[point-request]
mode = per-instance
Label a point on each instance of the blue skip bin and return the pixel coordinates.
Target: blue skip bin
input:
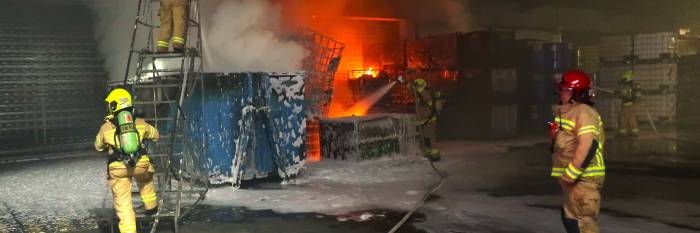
(251, 125)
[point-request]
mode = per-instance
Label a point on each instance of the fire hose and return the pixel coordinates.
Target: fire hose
(422, 201)
(653, 126)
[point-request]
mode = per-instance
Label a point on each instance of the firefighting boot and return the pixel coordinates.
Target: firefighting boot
(622, 133)
(151, 211)
(635, 132)
(570, 225)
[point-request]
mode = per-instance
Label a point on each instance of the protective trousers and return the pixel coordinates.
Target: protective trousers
(120, 183)
(627, 121)
(581, 207)
(428, 137)
(173, 22)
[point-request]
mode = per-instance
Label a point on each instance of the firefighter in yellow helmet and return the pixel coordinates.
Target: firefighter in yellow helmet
(428, 106)
(577, 153)
(173, 25)
(122, 136)
(629, 93)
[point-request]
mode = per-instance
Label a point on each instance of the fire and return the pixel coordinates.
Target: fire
(313, 146)
(370, 72)
(359, 109)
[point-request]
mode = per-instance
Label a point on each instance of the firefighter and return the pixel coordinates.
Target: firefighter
(577, 148)
(173, 23)
(629, 94)
(428, 106)
(122, 135)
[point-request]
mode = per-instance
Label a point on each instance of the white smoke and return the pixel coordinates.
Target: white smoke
(243, 35)
(113, 29)
(239, 36)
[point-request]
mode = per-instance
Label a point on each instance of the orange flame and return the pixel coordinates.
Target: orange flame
(313, 146)
(369, 71)
(355, 74)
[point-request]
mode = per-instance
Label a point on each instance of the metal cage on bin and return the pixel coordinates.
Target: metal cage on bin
(321, 65)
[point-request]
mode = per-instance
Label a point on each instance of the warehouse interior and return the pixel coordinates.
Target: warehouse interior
(305, 115)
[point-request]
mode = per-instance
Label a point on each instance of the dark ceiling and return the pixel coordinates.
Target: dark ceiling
(623, 15)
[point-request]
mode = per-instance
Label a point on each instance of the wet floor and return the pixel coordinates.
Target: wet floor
(206, 218)
(645, 168)
(648, 168)
(224, 219)
(652, 158)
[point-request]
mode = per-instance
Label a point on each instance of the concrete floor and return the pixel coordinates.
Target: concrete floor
(644, 191)
(495, 186)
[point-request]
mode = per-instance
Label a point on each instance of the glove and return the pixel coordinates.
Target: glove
(432, 120)
(553, 128)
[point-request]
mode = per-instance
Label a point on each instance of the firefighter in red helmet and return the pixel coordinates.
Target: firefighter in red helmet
(577, 153)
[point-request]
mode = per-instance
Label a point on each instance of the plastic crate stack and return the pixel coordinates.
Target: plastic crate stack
(653, 59)
(542, 68)
(51, 80)
(480, 63)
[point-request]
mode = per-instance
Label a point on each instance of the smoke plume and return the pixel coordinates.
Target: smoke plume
(113, 26)
(244, 35)
(239, 36)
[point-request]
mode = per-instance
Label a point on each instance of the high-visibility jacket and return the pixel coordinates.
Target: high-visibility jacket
(573, 122)
(629, 93)
(428, 106)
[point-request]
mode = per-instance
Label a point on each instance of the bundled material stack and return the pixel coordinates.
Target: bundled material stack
(656, 72)
(652, 59)
(51, 80)
(659, 85)
(616, 49)
(655, 46)
(374, 136)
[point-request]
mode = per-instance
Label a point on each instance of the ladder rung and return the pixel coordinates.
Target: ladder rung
(137, 86)
(167, 214)
(155, 102)
(162, 55)
(159, 119)
(163, 70)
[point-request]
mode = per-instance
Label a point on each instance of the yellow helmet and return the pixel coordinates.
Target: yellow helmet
(627, 75)
(118, 99)
(419, 84)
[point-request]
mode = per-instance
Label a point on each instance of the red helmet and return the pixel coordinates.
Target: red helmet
(579, 82)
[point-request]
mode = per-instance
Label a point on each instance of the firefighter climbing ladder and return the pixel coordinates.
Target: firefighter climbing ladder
(160, 84)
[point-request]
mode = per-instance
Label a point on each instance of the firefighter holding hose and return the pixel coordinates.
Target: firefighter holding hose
(428, 105)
